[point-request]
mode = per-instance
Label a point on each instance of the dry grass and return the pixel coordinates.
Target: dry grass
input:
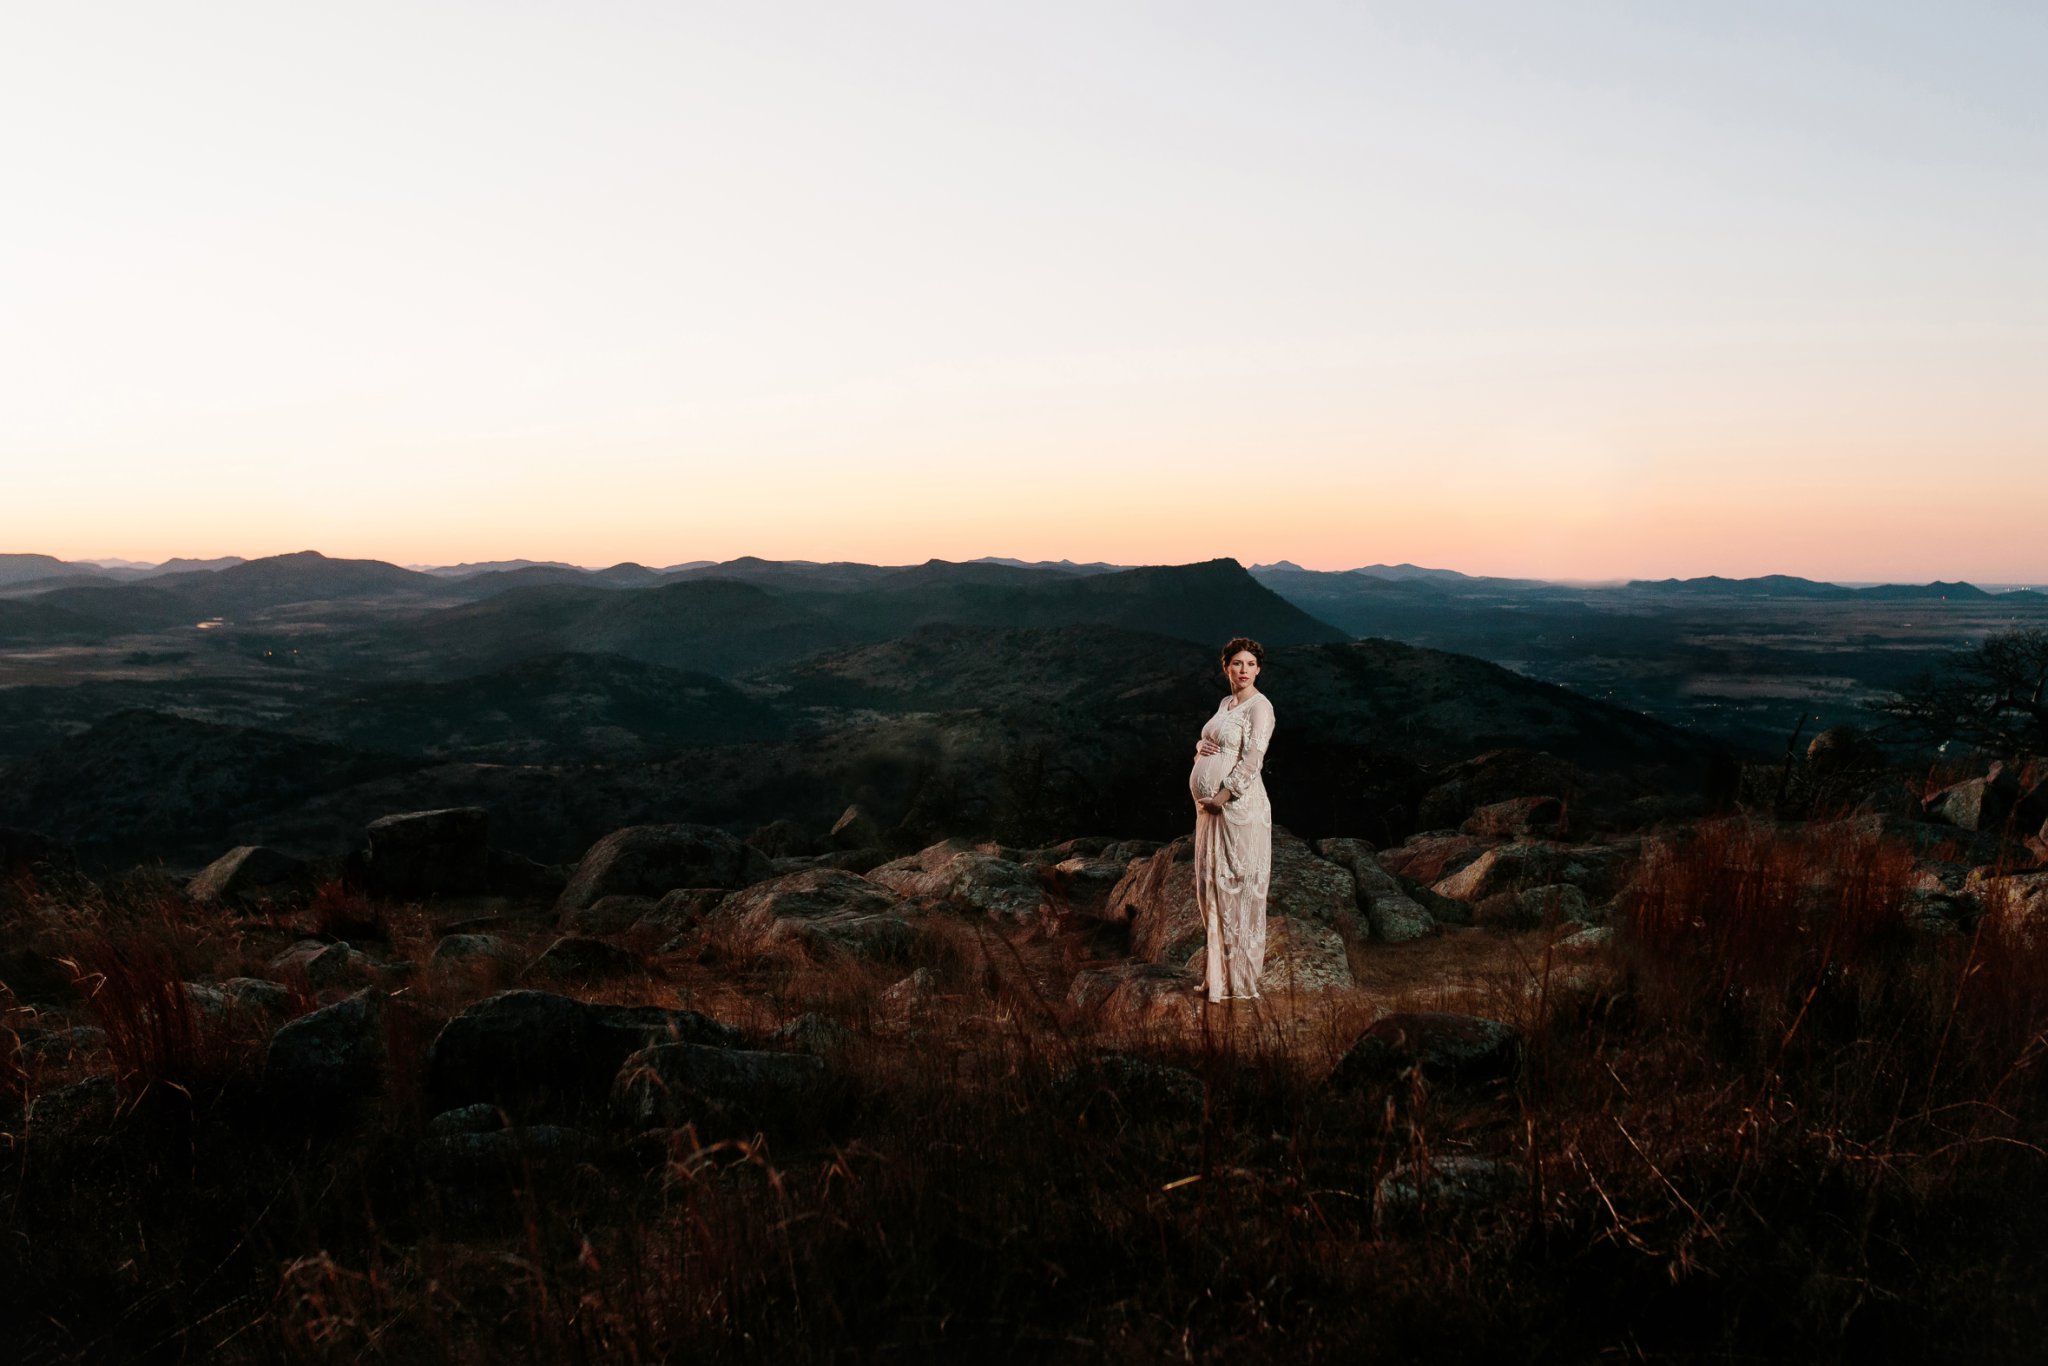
(1769, 1122)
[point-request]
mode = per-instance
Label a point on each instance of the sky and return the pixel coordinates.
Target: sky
(1587, 289)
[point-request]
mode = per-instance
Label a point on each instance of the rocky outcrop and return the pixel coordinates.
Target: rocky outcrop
(823, 909)
(962, 875)
(249, 875)
(430, 853)
(652, 860)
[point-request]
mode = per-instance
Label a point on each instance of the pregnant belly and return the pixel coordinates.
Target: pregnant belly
(1208, 774)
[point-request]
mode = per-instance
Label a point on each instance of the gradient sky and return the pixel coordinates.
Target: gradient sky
(1572, 289)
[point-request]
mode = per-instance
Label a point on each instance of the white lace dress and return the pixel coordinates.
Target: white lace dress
(1234, 851)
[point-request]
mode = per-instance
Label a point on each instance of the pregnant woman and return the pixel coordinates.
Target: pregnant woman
(1234, 827)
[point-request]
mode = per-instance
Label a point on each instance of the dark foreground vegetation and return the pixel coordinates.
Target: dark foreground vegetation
(1788, 1105)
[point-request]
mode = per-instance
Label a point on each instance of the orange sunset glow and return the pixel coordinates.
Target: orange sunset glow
(1596, 293)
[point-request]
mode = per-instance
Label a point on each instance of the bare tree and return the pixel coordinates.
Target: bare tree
(1994, 696)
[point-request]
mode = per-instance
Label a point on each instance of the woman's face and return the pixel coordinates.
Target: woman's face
(1242, 670)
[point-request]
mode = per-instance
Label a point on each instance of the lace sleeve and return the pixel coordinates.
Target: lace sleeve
(1258, 735)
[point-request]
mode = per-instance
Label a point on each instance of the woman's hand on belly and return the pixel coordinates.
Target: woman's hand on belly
(1205, 747)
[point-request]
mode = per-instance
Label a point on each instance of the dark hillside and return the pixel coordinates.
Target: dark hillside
(141, 783)
(549, 709)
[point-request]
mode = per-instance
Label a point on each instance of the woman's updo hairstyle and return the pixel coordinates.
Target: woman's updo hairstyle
(1247, 644)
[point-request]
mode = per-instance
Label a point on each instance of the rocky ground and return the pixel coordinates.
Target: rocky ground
(698, 1095)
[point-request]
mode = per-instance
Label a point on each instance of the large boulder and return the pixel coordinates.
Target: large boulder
(1309, 887)
(430, 853)
(956, 872)
(1503, 868)
(670, 1085)
(652, 860)
(241, 1000)
(1518, 818)
(613, 914)
(81, 1112)
(1432, 855)
(1391, 914)
(1595, 869)
(1980, 804)
(824, 909)
(1156, 896)
(329, 1061)
(1151, 998)
(325, 964)
(250, 874)
(1081, 880)
(1303, 957)
(1443, 1046)
(532, 1051)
